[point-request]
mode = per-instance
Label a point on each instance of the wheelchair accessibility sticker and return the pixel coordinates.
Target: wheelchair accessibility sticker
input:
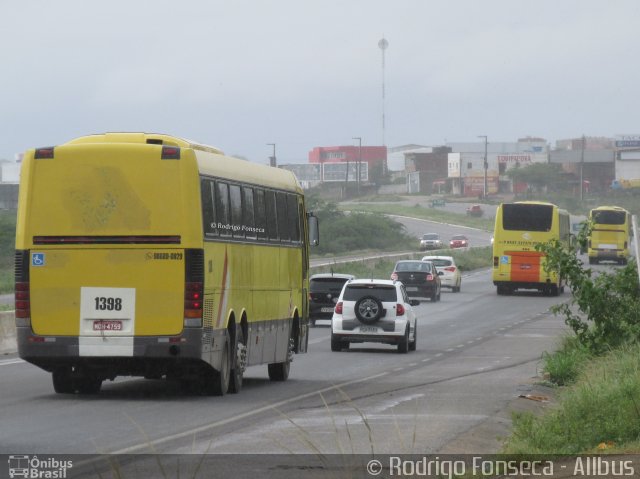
(503, 260)
(37, 259)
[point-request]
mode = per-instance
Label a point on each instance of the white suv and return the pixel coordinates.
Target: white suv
(374, 310)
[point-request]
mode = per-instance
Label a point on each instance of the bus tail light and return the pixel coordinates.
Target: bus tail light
(22, 289)
(170, 153)
(495, 261)
(399, 310)
(44, 153)
(193, 287)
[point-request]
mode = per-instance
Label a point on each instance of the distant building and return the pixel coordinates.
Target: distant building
(371, 160)
(426, 169)
(466, 172)
(627, 157)
(589, 158)
(396, 156)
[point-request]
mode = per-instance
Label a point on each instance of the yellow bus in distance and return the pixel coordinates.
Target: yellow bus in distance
(610, 235)
(150, 255)
(518, 228)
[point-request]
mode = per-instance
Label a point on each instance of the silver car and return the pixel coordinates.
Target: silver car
(430, 241)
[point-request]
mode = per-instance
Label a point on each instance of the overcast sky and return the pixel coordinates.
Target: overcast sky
(239, 74)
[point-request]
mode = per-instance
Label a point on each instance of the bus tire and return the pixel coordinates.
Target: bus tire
(239, 362)
(216, 383)
(279, 371)
(62, 382)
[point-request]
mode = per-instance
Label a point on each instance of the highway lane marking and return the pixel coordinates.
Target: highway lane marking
(6, 362)
(426, 359)
(253, 412)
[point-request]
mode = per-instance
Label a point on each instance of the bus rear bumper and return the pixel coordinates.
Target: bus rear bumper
(149, 356)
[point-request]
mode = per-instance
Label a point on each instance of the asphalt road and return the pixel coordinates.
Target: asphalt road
(474, 351)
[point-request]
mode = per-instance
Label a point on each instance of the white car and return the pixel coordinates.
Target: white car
(451, 276)
(377, 311)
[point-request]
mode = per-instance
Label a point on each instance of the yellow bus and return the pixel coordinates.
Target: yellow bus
(150, 255)
(609, 237)
(518, 228)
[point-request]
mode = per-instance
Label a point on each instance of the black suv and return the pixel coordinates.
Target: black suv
(324, 290)
(420, 278)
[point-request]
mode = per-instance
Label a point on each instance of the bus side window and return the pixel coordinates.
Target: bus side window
(293, 213)
(248, 212)
(272, 225)
(283, 220)
(260, 213)
(235, 194)
(222, 209)
(209, 224)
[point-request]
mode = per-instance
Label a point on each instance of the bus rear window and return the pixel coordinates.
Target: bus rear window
(604, 217)
(519, 217)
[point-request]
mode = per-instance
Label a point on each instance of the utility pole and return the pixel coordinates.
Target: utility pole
(582, 170)
(272, 159)
(485, 166)
(359, 164)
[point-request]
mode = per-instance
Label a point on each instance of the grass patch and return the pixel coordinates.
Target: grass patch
(563, 366)
(600, 410)
(417, 211)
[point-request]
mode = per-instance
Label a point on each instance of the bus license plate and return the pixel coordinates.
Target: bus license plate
(326, 310)
(107, 325)
(368, 329)
(525, 266)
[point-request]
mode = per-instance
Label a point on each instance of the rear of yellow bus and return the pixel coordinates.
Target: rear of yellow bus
(109, 260)
(516, 263)
(609, 237)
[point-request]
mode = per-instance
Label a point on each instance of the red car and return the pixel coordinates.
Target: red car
(459, 241)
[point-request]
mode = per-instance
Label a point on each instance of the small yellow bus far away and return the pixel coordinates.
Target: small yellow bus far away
(610, 235)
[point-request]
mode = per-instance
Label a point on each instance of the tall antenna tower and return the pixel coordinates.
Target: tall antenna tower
(383, 45)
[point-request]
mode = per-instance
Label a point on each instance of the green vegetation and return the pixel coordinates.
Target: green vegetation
(357, 231)
(599, 367)
(7, 250)
(600, 410)
(420, 212)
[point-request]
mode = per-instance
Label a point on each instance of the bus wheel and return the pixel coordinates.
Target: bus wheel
(239, 363)
(216, 383)
(62, 383)
(280, 371)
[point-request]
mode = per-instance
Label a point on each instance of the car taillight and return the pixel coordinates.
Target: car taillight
(338, 309)
(429, 277)
(394, 276)
(451, 269)
(399, 310)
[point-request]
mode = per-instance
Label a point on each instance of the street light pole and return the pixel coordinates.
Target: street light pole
(272, 159)
(582, 170)
(485, 166)
(359, 165)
